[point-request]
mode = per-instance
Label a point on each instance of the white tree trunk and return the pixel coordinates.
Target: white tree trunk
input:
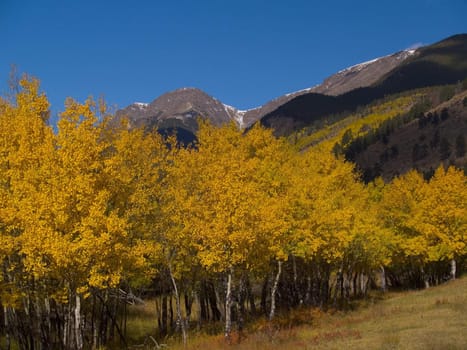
(180, 321)
(425, 278)
(66, 323)
(383, 279)
(228, 307)
(453, 269)
(274, 290)
(77, 330)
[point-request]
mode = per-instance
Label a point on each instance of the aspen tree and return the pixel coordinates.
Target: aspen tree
(444, 216)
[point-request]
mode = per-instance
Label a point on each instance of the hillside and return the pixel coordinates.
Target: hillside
(355, 125)
(437, 64)
(436, 136)
(415, 130)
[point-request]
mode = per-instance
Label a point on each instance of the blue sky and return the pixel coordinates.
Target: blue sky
(243, 52)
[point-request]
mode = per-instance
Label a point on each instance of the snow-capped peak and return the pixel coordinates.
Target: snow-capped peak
(141, 105)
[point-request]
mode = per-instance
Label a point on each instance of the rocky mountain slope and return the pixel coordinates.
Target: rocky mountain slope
(181, 107)
(361, 75)
(178, 108)
(440, 63)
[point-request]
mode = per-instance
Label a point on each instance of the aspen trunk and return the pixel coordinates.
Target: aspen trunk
(264, 294)
(77, 323)
(199, 300)
(425, 278)
(7, 330)
(180, 321)
(308, 292)
(355, 284)
(48, 316)
(274, 290)
(427, 282)
(164, 316)
(453, 269)
(188, 305)
(171, 312)
(66, 321)
(251, 297)
(203, 312)
(217, 300)
(347, 284)
(297, 295)
(383, 279)
(228, 307)
(213, 300)
(339, 285)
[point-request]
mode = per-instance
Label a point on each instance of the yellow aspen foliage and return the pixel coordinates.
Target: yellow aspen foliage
(60, 210)
(91, 200)
(96, 207)
(325, 206)
(25, 142)
(374, 244)
(444, 214)
(226, 197)
(137, 172)
(401, 212)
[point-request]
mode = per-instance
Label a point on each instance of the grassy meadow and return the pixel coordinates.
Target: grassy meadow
(434, 318)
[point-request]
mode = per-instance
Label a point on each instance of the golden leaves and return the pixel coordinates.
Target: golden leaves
(429, 216)
(96, 204)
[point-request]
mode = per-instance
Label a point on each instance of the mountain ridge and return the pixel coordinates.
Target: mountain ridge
(444, 62)
(141, 113)
(333, 85)
(345, 90)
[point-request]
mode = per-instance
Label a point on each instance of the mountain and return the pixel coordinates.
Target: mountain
(177, 110)
(362, 74)
(186, 104)
(442, 63)
(180, 108)
(357, 76)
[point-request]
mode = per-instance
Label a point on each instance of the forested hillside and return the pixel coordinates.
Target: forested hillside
(419, 129)
(237, 226)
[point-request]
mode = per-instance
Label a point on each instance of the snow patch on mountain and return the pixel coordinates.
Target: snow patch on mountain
(235, 114)
(141, 105)
(301, 92)
(358, 67)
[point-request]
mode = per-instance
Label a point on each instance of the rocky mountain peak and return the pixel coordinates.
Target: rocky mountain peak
(361, 75)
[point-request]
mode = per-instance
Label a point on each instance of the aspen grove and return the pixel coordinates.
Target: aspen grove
(236, 226)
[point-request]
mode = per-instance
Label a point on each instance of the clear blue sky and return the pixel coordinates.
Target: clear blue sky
(243, 52)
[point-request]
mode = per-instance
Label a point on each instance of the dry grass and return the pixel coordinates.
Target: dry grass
(430, 319)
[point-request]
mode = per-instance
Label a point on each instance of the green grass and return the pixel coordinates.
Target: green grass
(435, 318)
(141, 322)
